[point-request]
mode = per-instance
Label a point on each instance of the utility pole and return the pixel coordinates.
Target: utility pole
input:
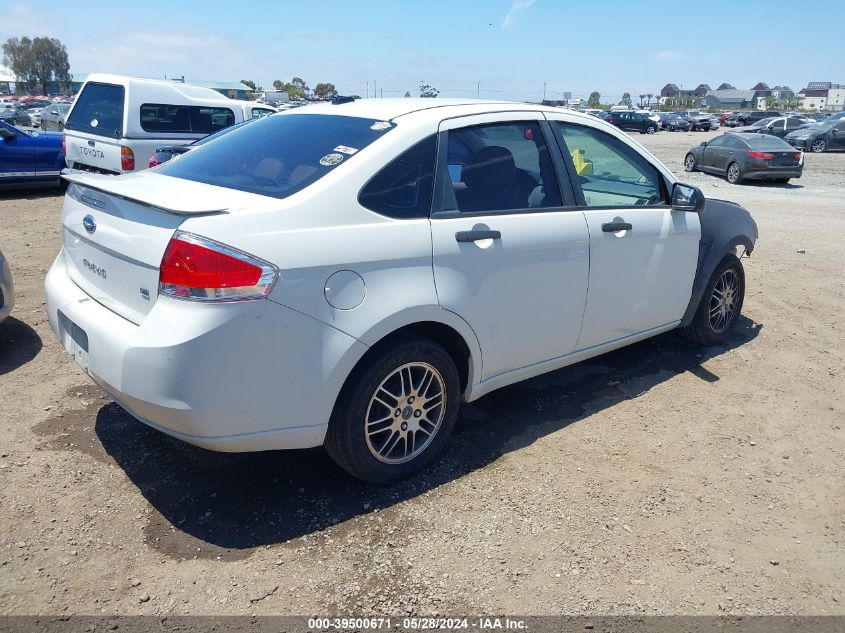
(544, 91)
(375, 90)
(367, 83)
(477, 89)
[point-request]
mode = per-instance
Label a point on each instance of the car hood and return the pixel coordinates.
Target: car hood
(802, 133)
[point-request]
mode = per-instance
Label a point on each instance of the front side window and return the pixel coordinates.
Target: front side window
(501, 167)
(717, 142)
(403, 188)
(158, 117)
(278, 155)
(98, 110)
(608, 172)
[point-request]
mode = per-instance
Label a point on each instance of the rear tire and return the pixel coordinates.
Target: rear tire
(782, 181)
(650, 129)
(44, 125)
(720, 304)
(734, 174)
(384, 444)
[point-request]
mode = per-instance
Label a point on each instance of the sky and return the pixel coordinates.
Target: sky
(499, 49)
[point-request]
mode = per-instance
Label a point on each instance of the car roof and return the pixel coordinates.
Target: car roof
(436, 109)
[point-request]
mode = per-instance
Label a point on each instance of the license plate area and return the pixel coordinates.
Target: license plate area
(74, 339)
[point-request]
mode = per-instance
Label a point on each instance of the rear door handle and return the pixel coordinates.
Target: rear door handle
(613, 227)
(474, 236)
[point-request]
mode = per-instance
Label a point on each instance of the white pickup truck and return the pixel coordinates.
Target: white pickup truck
(117, 122)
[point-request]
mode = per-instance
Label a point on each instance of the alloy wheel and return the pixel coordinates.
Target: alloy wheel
(405, 413)
(818, 146)
(733, 173)
(689, 163)
(724, 301)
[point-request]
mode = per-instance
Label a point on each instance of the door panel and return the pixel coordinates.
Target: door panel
(17, 159)
(507, 258)
(640, 277)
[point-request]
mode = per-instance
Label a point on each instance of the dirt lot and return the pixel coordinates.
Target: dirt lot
(660, 479)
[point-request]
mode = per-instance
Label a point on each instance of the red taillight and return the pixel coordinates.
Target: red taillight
(127, 159)
(154, 161)
(761, 155)
(797, 156)
(200, 269)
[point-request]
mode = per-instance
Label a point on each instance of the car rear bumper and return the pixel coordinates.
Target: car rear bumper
(770, 174)
(7, 290)
(239, 376)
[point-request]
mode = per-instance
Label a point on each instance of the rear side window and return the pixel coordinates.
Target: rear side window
(278, 155)
(98, 110)
(160, 117)
(403, 188)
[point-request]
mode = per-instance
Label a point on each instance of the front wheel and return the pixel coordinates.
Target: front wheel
(720, 305)
(818, 146)
(44, 125)
(734, 175)
(689, 163)
(396, 411)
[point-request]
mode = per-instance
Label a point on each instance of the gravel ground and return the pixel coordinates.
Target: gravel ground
(659, 479)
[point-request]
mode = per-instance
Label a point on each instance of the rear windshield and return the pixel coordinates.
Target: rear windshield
(768, 142)
(98, 110)
(161, 117)
(278, 155)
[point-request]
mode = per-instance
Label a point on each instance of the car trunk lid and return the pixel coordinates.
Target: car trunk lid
(116, 230)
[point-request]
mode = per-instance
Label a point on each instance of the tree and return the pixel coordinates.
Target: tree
(325, 91)
(407, 94)
(38, 61)
(626, 100)
(249, 84)
(428, 91)
(650, 95)
(594, 101)
(642, 98)
(278, 84)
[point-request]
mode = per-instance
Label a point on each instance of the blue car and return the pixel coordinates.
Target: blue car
(29, 158)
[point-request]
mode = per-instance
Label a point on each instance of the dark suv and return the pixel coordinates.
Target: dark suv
(632, 122)
(747, 118)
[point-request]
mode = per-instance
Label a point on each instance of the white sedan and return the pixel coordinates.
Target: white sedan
(345, 275)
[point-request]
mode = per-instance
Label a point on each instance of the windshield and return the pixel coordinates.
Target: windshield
(763, 122)
(278, 155)
(18, 130)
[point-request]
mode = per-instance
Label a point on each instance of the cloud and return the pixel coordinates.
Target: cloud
(517, 7)
(668, 56)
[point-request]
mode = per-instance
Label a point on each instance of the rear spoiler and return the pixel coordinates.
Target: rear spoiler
(181, 197)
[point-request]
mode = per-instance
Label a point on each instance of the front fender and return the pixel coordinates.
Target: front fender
(724, 227)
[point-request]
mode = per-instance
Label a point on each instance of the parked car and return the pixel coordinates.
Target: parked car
(53, 116)
(748, 118)
(29, 157)
(746, 157)
(34, 116)
(673, 123)
(758, 127)
(699, 121)
(714, 122)
(166, 152)
(732, 120)
(778, 126)
(7, 289)
(116, 118)
(632, 122)
(298, 282)
(835, 117)
(819, 138)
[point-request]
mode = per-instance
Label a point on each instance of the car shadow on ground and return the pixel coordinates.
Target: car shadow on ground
(19, 344)
(223, 504)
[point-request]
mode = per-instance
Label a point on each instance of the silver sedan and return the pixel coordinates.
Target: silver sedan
(7, 289)
(53, 116)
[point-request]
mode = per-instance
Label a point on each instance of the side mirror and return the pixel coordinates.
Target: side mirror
(7, 134)
(703, 143)
(687, 198)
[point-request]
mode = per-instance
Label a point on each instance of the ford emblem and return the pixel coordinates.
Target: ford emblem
(89, 223)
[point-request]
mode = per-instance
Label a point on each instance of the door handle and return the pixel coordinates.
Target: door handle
(474, 236)
(613, 227)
